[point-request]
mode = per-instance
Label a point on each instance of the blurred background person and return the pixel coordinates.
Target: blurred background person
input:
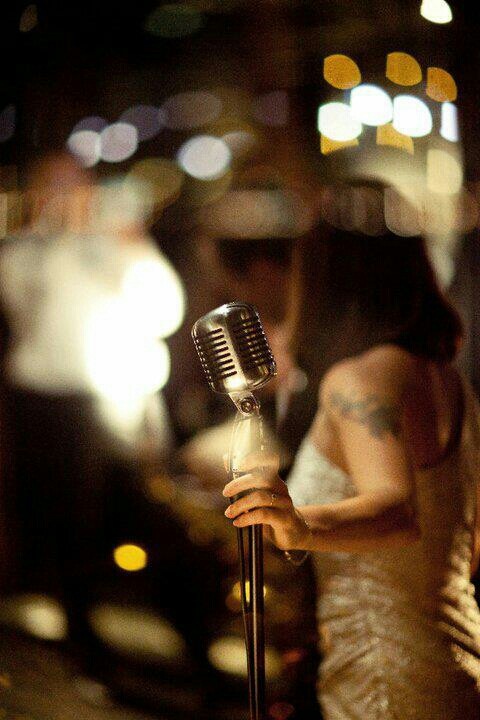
(82, 288)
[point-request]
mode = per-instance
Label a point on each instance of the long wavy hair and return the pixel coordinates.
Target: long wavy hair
(352, 292)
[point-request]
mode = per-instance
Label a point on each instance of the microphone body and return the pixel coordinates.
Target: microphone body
(234, 352)
(236, 357)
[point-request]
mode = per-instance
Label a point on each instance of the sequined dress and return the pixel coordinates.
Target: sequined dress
(400, 629)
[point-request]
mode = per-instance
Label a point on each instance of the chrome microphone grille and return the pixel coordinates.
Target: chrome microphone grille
(233, 348)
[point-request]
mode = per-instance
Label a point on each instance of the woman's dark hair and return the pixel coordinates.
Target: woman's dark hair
(355, 291)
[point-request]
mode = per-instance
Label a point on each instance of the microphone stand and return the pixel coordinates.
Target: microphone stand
(251, 574)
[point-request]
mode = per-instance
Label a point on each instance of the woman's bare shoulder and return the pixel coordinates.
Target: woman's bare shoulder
(384, 369)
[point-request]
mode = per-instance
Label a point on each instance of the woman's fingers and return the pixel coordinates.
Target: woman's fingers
(255, 480)
(259, 516)
(257, 499)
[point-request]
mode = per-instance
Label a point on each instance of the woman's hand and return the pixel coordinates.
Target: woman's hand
(267, 503)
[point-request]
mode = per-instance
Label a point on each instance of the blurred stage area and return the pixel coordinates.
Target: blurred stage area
(156, 161)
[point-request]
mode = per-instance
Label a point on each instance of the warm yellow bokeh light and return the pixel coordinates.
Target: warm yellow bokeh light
(130, 557)
(237, 591)
(341, 71)
(403, 69)
(387, 135)
(440, 85)
(328, 146)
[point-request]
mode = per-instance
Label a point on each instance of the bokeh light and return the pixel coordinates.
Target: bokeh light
(387, 135)
(437, 11)
(449, 122)
(154, 294)
(240, 142)
(411, 116)
(371, 105)
(118, 142)
(38, 615)
(336, 121)
(174, 20)
(440, 85)
(341, 72)
(444, 172)
(137, 632)
(227, 654)
(86, 146)
(328, 146)
(28, 19)
(204, 157)
(403, 69)
(272, 109)
(130, 557)
(145, 118)
(7, 123)
(188, 110)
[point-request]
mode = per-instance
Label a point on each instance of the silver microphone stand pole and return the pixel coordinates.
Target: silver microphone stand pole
(251, 566)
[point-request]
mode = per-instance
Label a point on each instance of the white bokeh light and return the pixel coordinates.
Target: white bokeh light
(449, 122)
(437, 11)
(118, 142)
(155, 297)
(205, 157)
(86, 146)
(371, 105)
(336, 121)
(411, 116)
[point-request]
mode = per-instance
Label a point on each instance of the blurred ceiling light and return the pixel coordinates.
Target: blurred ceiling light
(437, 11)
(154, 295)
(227, 654)
(86, 146)
(328, 146)
(204, 157)
(92, 122)
(240, 142)
(403, 69)
(174, 20)
(449, 122)
(272, 109)
(387, 135)
(145, 118)
(118, 142)
(411, 116)
(39, 615)
(341, 72)
(28, 19)
(163, 177)
(130, 557)
(336, 121)
(440, 85)
(137, 632)
(444, 172)
(371, 105)
(401, 216)
(189, 110)
(7, 123)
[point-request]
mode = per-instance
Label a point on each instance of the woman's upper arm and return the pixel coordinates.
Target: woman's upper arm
(367, 415)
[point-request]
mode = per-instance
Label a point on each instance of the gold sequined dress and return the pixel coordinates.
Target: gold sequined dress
(400, 629)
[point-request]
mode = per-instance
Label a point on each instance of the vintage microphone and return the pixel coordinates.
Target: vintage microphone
(237, 359)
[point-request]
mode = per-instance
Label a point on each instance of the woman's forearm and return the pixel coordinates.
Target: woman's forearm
(359, 524)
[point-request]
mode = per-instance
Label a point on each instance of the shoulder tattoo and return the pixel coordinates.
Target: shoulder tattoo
(378, 415)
